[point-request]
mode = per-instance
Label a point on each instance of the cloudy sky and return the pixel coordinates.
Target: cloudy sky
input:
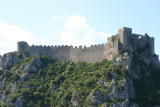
(74, 22)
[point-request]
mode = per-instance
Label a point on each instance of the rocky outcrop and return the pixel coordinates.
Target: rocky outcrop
(33, 65)
(97, 97)
(123, 93)
(9, 59)
(75, 99)
(3, 96)
(19, 102)
(30, 68)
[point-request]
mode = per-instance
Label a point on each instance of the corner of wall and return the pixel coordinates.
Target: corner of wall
(22, 46)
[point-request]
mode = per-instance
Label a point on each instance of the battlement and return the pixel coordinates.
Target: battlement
(123, 40)
(22, 46)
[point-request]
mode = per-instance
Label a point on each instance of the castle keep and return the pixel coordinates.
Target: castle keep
(124, 40)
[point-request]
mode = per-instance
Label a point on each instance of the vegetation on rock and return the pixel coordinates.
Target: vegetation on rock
(39, 81)
(59, 83)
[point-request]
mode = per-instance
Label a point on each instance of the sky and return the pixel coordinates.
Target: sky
(74, 22)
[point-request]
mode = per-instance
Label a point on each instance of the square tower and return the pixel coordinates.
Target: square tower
(123, 34)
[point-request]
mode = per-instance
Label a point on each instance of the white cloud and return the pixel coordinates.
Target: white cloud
(55, 17)
(76, 31)
(11, 34)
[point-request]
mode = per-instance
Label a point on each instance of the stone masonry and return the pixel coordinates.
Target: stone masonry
(123, 41)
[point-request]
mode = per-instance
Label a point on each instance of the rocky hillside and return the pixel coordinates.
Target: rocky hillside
(129, 80)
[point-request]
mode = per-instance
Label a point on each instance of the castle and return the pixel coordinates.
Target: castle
(124, 40)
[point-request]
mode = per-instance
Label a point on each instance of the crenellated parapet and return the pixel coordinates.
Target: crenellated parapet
(124, 40)
(24, 46)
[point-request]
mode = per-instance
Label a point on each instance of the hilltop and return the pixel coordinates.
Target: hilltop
(128, 78)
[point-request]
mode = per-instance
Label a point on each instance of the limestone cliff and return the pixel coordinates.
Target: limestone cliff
(130, 79)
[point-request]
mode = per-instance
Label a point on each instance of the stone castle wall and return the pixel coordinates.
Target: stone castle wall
(87, 54)
(124, 40)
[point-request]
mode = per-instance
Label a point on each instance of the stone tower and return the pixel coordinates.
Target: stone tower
(22, 46)
(124, 35)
